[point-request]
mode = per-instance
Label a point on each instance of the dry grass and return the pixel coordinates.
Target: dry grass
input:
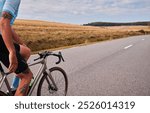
(39, 35)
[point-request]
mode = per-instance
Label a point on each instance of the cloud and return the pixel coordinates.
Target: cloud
(57, 9)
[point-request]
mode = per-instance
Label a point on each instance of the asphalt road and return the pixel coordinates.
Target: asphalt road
(118, 67)
(112, 68)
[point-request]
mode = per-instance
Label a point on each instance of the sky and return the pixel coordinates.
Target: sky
(85, 11)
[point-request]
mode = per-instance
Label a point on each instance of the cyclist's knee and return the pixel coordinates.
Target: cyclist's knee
(28, 52)
(25, 51)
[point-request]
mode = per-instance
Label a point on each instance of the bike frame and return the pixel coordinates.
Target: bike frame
(4, 79)
(42, 70)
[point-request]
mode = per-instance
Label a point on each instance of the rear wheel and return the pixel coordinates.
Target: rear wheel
(56, 78)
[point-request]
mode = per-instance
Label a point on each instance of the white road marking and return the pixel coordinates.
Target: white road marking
(143, 39)
(128, 46)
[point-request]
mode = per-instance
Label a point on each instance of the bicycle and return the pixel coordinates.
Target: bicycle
(47, 78)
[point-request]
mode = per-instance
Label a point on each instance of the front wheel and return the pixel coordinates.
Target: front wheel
(54, 84)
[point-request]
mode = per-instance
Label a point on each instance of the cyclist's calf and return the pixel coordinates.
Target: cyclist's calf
(26, 77)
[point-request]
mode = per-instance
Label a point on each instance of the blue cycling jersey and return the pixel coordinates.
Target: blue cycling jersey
(10, 6)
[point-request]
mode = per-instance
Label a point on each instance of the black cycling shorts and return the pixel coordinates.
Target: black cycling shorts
(4, 56)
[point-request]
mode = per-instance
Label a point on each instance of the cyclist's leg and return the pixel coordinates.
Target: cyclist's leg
(26, 75)
(25, 53)
(23, 87)
(22, 71)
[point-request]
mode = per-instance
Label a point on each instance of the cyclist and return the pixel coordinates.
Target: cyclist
(13, 52)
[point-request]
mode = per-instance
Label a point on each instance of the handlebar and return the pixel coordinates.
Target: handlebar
(45, 54)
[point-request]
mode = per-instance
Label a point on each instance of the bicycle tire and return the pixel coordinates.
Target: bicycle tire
(3, 94)
(53, 93)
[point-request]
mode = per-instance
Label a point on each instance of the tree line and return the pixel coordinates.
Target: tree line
(146, 23)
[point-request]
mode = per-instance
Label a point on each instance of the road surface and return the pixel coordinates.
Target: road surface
(112, 68)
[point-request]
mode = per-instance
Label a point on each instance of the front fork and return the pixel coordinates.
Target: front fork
(52, 84)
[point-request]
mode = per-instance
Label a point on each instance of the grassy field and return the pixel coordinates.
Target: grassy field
(40, 35)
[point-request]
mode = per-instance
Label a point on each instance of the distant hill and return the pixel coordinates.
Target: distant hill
(146, 23)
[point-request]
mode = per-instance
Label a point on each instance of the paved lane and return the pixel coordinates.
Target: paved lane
(118, 67)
